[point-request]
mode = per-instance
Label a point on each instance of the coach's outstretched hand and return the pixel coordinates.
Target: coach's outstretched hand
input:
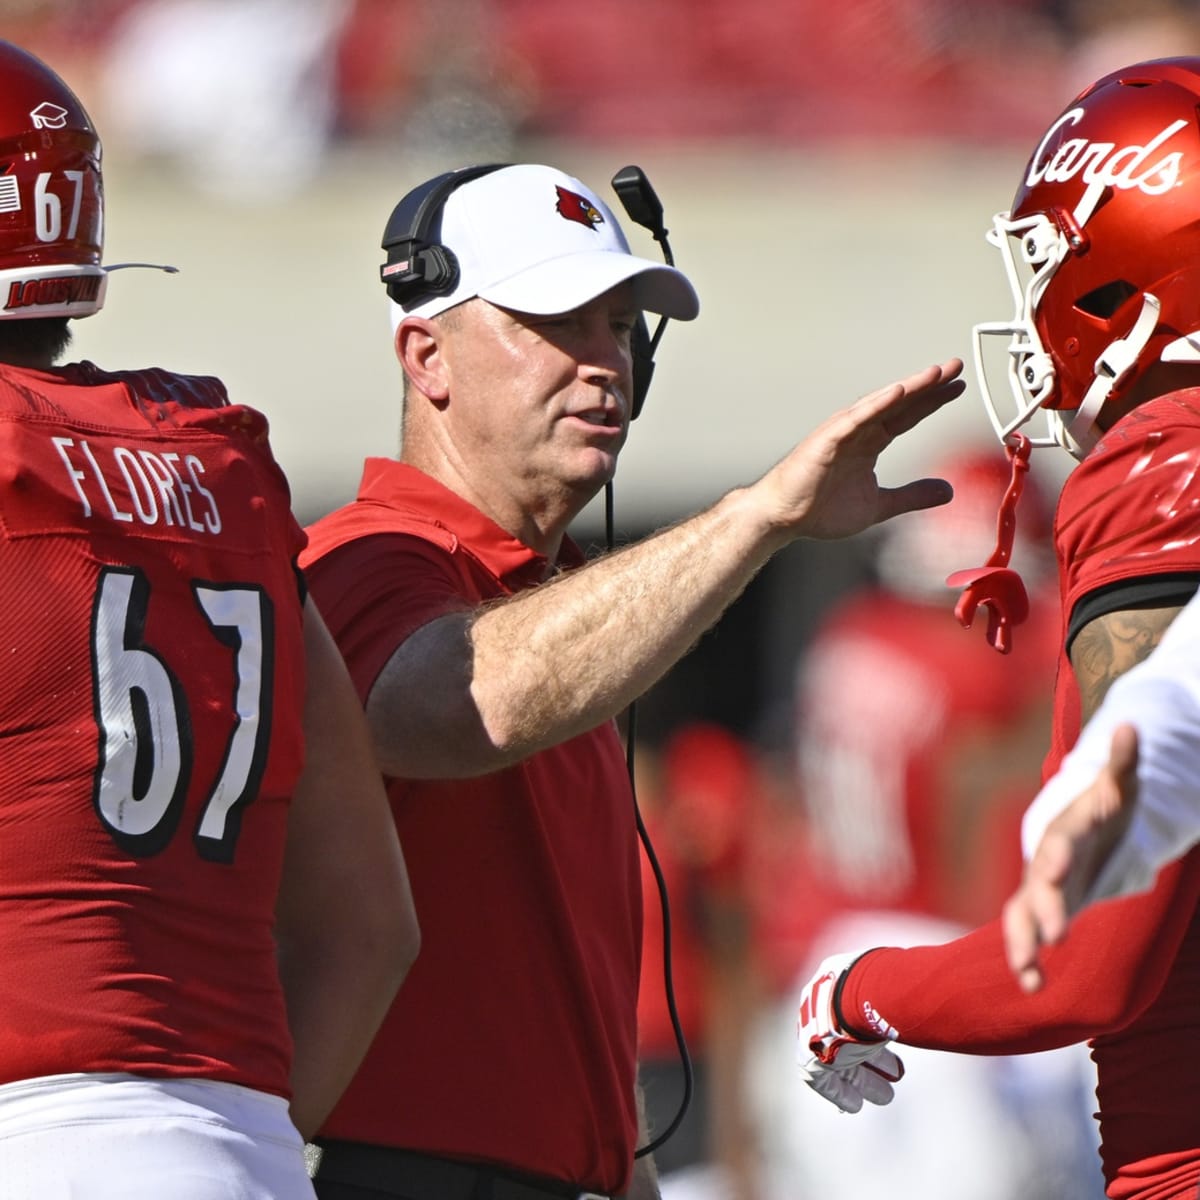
(846, 1070)
(826, 487)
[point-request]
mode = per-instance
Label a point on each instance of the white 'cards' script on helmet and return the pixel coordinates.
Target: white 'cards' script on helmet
(1103, 165)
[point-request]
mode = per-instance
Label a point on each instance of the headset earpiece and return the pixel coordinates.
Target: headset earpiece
(431, 271)
(417, 267)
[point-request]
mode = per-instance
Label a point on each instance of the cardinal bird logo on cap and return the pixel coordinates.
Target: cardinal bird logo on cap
(577, 208)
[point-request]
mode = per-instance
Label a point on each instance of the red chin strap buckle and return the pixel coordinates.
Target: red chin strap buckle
(994, 584)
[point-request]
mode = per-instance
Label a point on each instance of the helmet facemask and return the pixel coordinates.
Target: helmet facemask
(1031, 248)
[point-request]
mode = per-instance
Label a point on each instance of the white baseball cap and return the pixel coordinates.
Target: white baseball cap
(533, 239)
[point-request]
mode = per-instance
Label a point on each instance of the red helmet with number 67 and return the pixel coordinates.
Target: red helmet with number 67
(51, 195)
(1102, 252)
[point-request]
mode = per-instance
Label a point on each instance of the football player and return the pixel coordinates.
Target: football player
(203, 906)
(1101, 249)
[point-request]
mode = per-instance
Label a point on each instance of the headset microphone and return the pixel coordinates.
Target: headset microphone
(642, 205)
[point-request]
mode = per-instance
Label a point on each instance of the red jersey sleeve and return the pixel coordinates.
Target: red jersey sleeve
(1129, 510)
(961, 996)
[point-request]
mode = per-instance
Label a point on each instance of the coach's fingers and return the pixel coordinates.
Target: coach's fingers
(914, 496)
(907, 402)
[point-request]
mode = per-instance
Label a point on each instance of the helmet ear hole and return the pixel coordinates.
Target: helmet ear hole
(1104, 301)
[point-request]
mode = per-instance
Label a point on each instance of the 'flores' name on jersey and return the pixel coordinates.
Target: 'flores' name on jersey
(127, 484)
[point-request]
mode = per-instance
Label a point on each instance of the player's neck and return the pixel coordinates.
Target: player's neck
(30, 362)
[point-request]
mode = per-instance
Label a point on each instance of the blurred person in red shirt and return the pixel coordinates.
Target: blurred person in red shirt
(914, 740)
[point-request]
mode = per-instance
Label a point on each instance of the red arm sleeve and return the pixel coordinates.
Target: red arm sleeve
(961, 996)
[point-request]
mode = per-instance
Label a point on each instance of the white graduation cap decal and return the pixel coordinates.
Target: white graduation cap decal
(49, 116)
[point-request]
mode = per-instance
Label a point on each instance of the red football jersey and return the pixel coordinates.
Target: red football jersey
(150, 727)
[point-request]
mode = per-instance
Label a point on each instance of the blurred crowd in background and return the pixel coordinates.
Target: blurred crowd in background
(201, 82)
(879, 799)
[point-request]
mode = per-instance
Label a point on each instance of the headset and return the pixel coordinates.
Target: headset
(418, 267)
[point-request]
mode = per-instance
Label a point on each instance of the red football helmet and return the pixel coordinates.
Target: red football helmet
(51, 195)
(1102, 251)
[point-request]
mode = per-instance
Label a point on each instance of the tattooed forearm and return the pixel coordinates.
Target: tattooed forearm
(1110, 645)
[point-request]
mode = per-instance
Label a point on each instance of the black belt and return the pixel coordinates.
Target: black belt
(424, 1177)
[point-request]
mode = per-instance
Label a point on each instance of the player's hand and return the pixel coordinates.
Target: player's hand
(826, 487)
(846, 1070)
(1068, 859)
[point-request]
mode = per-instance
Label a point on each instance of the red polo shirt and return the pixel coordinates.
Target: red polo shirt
(513, 1038)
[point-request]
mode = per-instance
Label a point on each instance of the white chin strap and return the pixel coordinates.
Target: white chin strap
(1114, 363)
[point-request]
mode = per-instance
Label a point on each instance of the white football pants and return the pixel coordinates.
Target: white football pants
(128, 1137)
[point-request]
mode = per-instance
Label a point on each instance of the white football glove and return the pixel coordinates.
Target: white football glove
(837, 1065)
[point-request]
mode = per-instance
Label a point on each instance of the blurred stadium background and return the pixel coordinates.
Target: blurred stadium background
(827, 171)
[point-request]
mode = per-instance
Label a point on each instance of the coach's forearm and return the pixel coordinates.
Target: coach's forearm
(469, 694)
(573, 653)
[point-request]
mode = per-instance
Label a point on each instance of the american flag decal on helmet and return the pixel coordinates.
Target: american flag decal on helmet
(10, 195)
